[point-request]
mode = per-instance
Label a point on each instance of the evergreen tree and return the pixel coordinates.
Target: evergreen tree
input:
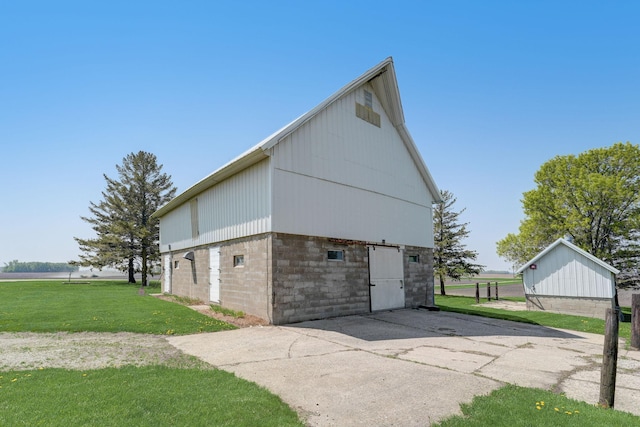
(126, 234)
(450, 256)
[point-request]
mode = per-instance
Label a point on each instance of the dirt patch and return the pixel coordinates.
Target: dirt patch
(88, 350)
(97, 350)
(246, 321)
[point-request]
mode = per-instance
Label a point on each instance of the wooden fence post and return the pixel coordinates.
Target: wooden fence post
(609, 360)
(477, 293)
(496, 291)
(635, 321)
(488, 291)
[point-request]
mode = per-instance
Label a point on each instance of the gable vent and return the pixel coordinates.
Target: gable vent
(365, 112)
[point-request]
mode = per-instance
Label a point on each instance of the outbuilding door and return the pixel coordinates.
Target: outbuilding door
(166, 285)
(386, 278)
(214, 274)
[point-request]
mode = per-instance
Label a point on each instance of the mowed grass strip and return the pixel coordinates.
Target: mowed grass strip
(467, 305)
(513, 406)
(137, 396)
(99, 306)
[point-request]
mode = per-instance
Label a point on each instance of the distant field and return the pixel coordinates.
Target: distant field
(502, 279)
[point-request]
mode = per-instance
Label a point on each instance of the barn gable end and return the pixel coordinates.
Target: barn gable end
(284, 230)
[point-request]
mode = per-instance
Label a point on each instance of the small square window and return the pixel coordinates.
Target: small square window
(238, 260)
(414, 258)
(335, 255)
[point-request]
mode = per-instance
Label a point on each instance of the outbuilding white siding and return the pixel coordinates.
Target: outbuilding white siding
(565, 272)
(566, 279)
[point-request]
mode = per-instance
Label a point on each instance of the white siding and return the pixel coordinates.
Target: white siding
(564, 272)
(340, 176)
(311, 206)
(237, 207)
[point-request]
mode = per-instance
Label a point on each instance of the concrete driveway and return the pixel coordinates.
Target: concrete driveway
(409, 367)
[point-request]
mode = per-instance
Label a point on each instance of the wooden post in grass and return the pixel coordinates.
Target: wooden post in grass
(477, 293)
(488, 291)
(496, 291)
(609, 360)
(635, 321)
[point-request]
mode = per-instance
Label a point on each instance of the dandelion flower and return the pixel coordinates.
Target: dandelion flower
(556, 409)
(538, 407)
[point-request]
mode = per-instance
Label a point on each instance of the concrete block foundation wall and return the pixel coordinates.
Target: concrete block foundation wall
(418, 277)
(289, 278)
(589, 307)
(307, 285)
(190, 278)
(247, 287)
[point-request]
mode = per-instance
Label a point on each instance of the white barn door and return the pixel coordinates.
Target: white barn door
(214, 274)
(167, 274)
(386, 278)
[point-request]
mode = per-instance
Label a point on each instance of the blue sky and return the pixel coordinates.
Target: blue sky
(491, 90)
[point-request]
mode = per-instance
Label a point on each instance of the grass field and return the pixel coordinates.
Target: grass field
(467, 305)
(137, 396)
(470, 282)
(99, 306)
(513, 406)
(156, 395)
(194, 395)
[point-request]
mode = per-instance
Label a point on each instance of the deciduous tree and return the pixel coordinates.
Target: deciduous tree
(594, 198)
(126, 234)
(451, 258)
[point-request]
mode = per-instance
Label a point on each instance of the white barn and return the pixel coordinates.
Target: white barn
(331, 215)
(566, 279)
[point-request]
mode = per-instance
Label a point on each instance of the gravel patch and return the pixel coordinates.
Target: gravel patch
(88, 350)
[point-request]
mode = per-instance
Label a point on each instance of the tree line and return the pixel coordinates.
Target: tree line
(16, 266)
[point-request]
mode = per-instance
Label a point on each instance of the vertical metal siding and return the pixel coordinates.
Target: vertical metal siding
(309, 206)
(236, 207)
(175, 229)
(338, 146)
(564, 272)
(339, 176)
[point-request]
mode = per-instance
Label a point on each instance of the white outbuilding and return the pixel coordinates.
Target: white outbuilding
(331, 215)
(566, 279)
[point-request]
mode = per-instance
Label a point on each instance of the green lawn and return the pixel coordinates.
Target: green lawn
(164, 396)
(137, 396)
(513, 406)
(99, 306)
(193, 394)
(467, 305)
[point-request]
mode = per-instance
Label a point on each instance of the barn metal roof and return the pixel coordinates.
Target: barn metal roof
(562, 241)
(382, 77)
